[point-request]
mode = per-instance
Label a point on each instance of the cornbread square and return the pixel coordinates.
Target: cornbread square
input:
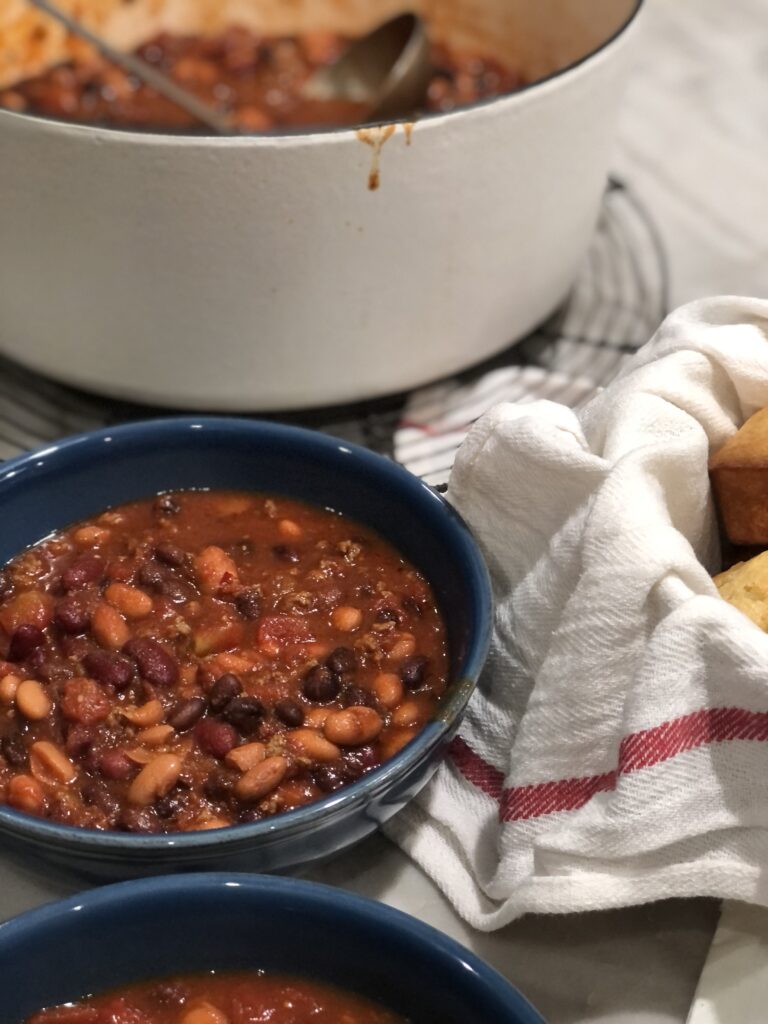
(739, 475)
(745, 586)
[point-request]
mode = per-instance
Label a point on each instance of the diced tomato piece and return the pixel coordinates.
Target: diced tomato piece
(277, 631)
(84, 701)
(30, 608)
(217, 636)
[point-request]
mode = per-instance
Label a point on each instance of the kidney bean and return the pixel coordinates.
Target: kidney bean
(84, 570)
(115, 764)
(72, 615)
(320, 685)
(290, 712)
(155, 664)
(249, 603)
(138, 819)
(413, 671)
(187, 713)
(342, 660)
(172, 555)
(24, 640)
(223, 690)
(245, 713)
(166, 505)
(14, 750)
(215, 737)
(110, 668)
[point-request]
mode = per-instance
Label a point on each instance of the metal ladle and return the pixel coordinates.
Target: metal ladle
(387, 71)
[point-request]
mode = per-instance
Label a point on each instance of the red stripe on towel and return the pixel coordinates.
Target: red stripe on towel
(637, 751)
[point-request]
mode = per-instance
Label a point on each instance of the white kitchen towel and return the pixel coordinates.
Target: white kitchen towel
(616, 751)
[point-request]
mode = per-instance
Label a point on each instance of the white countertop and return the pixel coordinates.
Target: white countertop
(694, 146)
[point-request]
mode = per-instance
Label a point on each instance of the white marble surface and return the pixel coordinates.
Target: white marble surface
(694, 145)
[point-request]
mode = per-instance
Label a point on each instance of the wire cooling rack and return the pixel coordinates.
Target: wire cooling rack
(618, 300)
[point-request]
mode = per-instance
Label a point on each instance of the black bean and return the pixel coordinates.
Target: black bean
(218, 786)
(84, 570)
(14, 751)
(356, 696)
(360, 760)
(223, 690)
(151, 575)
(97, 793)
(320, 685)
(80, 739)
(166, 505)
(342, 660)
(329, 777)
(176, 590)
(24, 640)
(156, 665)
(170, 993)
(248, 602)
(110, 668)
(72, 615)
(168, 806)
(171, 554)
(389, 614)
(286, 553)
(138, 819)
(290, 712)
(413, 670)
(186, 713)
(245, 713)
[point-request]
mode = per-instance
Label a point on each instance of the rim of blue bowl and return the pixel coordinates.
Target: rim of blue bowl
(322, 897)
(101, 843)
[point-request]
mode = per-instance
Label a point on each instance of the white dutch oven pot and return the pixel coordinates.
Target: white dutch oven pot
(263, 273)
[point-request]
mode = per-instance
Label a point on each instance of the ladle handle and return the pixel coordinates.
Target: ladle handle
(218, 122)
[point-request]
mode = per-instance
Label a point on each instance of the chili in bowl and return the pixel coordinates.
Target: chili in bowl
(133, 946)
(223, 643)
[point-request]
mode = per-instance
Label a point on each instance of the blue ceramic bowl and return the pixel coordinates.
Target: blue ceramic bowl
(82, 475)
(140, 930)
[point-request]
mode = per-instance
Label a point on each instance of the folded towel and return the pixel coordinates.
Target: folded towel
(615, 751)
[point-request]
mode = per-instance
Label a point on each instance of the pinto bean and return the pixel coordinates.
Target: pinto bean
(246, 757)
(47, 761)
(388, 688)
(132, 602)
(32, 700)
(353, 727)
(215, 570)
(26, 794)
(312, 745)
(261, 779)
(155, 779)
(346, 618)
(109, 627)
(8, 686)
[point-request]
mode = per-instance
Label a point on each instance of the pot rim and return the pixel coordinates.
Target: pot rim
(321, 133)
